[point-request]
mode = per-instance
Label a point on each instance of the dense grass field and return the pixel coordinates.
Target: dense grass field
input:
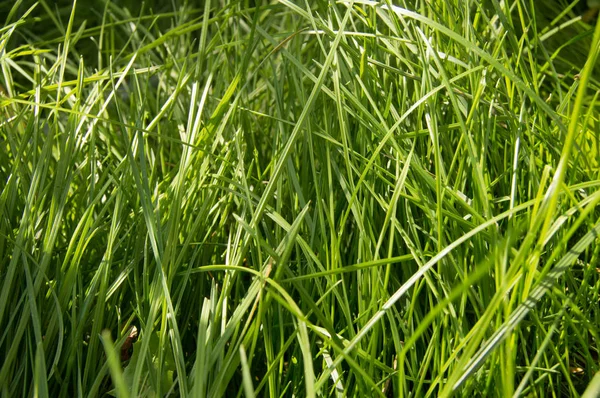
(299, 198)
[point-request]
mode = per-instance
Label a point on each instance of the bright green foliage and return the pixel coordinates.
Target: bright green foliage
(167, 368)
(299, 198)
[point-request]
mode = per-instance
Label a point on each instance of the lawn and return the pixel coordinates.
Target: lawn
(299, 198)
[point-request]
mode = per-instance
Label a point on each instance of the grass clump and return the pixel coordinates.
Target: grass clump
(299, 198)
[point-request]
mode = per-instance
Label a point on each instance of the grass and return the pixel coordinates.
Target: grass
(299, 198)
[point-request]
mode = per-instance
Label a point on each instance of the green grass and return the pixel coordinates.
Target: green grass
(299, 198)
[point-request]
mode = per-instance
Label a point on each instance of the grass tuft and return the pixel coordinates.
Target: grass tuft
(299, 198)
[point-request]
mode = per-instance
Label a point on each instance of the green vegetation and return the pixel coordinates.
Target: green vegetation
(299, 198)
